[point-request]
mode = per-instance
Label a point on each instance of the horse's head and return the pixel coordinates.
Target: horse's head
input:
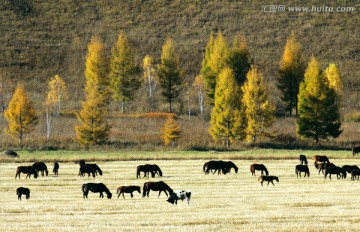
(28, 196)
(277, 179)
(137, 188)
(160, 172)
(109, 195)
(236, 169)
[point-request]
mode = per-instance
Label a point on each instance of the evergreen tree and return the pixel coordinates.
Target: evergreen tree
(239, 59)
(124, 78)
(169, 73)
(20, 114)
(291, 73)
(226, 120)
(171, 131)
(319, 116)
(259, 112)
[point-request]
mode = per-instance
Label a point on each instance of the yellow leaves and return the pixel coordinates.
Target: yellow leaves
(168, 52)
(259, 112)
(333, 76)
(291, 55)
(57, 92)
(220, 54)
(171, 131)
(20, 114)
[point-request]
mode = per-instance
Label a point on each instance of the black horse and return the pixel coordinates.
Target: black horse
(148, 168)
(303, 159)
(160, 186)
(89, 168)
(23, 191)
(29, 170)
(96, 188)
(219, 166)
(86, 170)
(258, 167)
(350, 168)
(323, 166)
(355, 150)
(302, 168)
(127, 189)
(41, 167)
(56, 168)
(355, 174)
(340, 172)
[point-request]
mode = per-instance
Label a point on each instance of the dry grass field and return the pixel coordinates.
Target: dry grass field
(233, 202)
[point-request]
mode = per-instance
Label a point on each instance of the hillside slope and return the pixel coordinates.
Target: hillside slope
(42, 38)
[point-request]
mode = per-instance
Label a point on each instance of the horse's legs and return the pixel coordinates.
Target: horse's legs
(160, 192)
(131, 195)
(101, 195)
(272, 183)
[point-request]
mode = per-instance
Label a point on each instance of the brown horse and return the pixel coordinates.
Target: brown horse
(268, 179)
(127, 189)
(302, 168)
(160, 186)
(41, 167)
(96, 188)
(355, 150)
(321, 158)
(23, 191)
(303, 159)
(258, 167)
(148, 168)
(56, 168)
(29, 170)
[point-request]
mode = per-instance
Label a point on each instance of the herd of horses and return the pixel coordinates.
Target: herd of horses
(321, 163)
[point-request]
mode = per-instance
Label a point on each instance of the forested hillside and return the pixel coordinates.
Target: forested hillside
(43, 38)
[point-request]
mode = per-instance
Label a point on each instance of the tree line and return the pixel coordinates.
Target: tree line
(229, 83)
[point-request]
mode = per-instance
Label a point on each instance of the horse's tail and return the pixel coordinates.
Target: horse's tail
(17, 172)
(205, 165)
(252, 169)
(85, 190)
(118, 190)
(137, 172)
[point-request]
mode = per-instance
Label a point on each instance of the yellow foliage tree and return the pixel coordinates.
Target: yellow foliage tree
(333, 76)
(226, 119)
(259, 112)
(57, 93)
(171, 131)
(20, 114)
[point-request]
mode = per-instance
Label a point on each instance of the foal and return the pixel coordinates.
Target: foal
(23, 191)
(268, 179)
(128, 189)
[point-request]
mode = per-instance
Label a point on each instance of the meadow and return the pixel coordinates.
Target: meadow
(229, 202)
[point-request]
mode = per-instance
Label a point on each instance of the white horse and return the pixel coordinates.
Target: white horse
(179, 195)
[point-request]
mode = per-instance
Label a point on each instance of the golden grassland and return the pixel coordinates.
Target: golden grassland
(230, 202)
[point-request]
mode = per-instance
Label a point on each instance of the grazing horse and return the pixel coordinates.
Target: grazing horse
(179, 195)
(86, 169)
(29, 170)
(219, 165)
(127, 189)
(350, 168)
(321, 158)
(148, 168)
(56, 168)
(302, 168)
(355, 150)
(268, 179)
(323, 166)
(355, 174)
(303, 159)
(340, 172)
(89, 168)
(96, 188)
(160, 186)
(23, 191)
(259, 167)
(41, 167)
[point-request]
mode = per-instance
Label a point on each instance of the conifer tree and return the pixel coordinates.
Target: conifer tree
(216, 58)
(333, 76)
(259, 112)
(21, 115)
(96, 70)
(226, 120)
(239, 59)
(124, 78)
(291, 73)
(319, 116)
(169, 73)
(93, 128)
(171, 131)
